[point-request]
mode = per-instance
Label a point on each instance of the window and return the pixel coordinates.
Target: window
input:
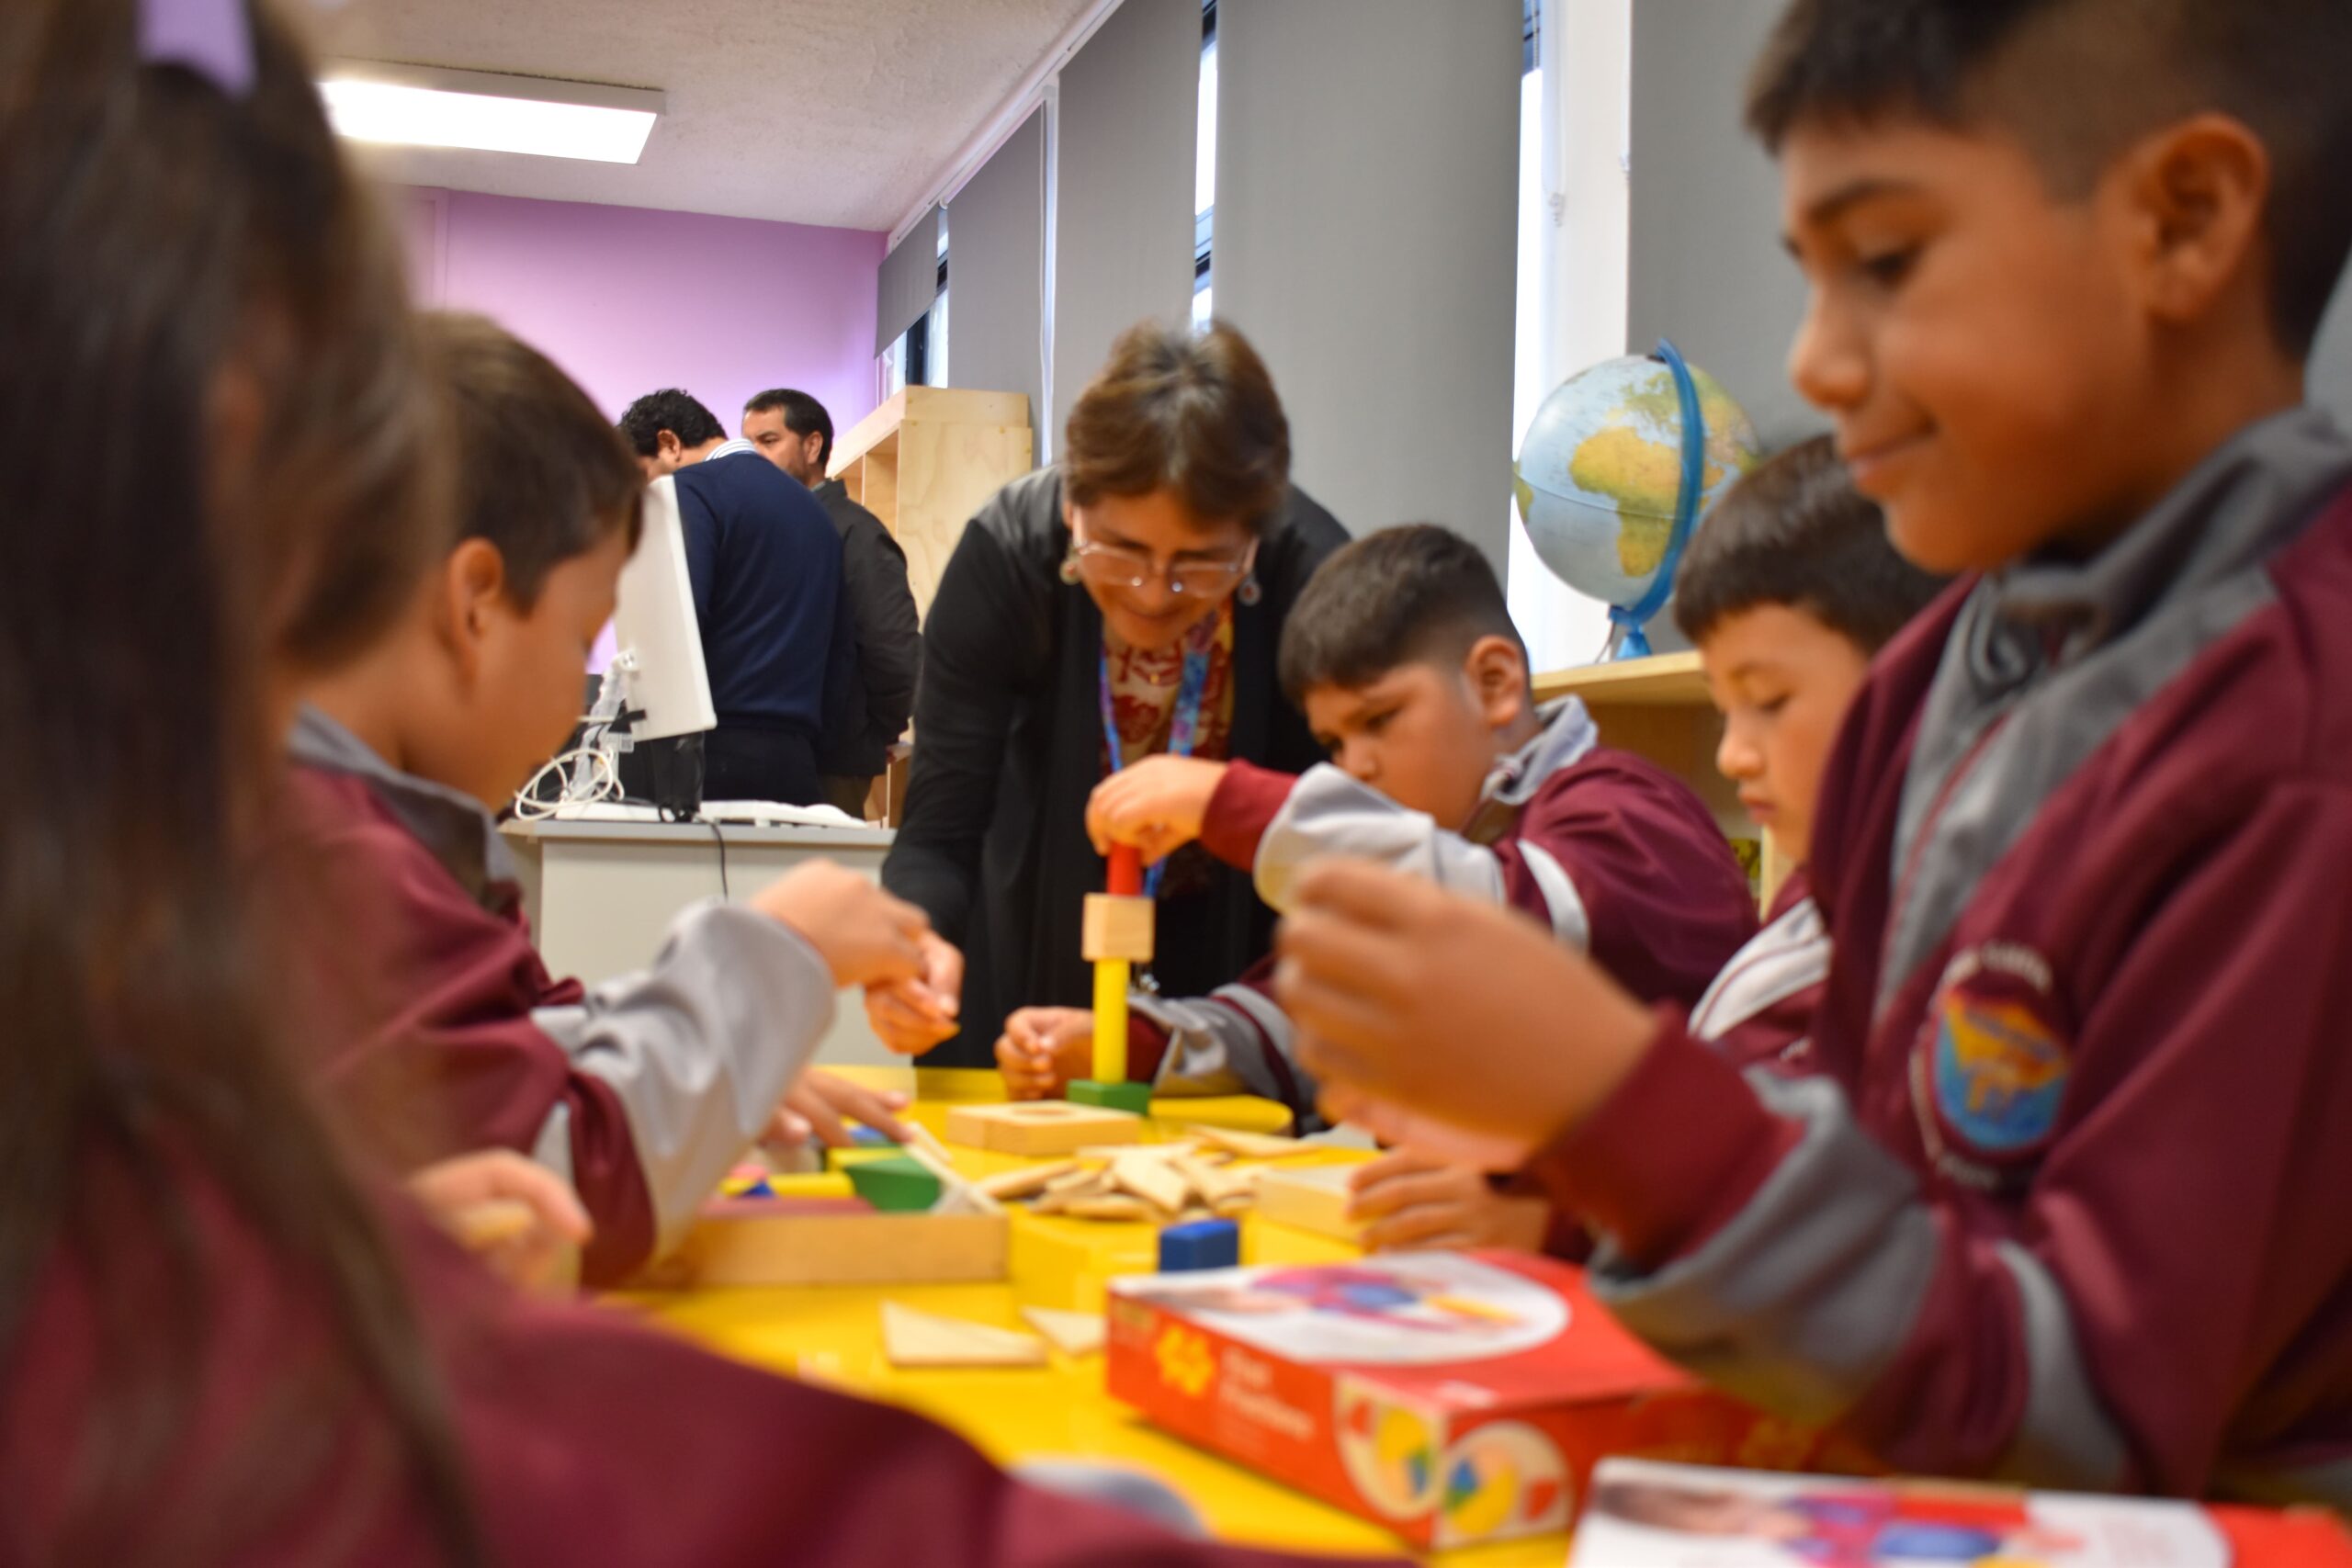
(1205, 167)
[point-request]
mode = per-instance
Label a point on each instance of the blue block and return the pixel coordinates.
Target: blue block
(864, 1137)
(1204, 1244)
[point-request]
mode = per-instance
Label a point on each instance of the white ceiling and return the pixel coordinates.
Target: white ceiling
(839, 112)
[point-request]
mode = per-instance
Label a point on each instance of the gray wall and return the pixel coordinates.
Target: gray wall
(1704, 220)
(1366, 241)
(996, 271)
(1125, 147)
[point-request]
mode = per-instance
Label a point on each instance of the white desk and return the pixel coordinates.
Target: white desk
(601, 894)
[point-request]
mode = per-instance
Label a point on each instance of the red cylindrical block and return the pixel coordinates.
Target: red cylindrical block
(1126, 872)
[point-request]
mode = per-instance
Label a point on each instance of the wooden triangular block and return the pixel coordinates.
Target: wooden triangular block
(1073, 1333)
(912, 1338)
(1249, 1145)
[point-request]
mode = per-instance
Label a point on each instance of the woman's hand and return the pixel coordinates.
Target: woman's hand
(818, 1103)
(1408, 1200)
(1043, 1049)
(1374, 965)
(1157, 804)
(866, 936)
(912, 1015)
(517, 1216)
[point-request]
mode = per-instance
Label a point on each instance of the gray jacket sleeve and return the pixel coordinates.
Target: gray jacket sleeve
(699, 1048)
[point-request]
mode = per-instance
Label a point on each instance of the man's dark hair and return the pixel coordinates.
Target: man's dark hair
(1405, 595)
(540, 474)
(1796, 532)
(2078, 81)
(673, 411)
(803, 415)
(1195, 414)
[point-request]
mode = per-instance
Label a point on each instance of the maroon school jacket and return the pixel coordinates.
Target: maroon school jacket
(1613, 853)
(583, 1438)
(2064, 1197)
(420, 1000)
(1759, 1009)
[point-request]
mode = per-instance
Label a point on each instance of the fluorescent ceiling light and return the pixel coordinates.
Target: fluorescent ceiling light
(422, 106)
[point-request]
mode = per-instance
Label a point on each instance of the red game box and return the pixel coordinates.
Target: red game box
(1452, 1398)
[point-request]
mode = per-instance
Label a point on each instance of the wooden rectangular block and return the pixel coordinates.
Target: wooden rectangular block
(1315, 1199)
(1041, 1128)
(1115, 927)
(762, 1242)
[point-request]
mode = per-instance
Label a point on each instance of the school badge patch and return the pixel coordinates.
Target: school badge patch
(1994, 1062)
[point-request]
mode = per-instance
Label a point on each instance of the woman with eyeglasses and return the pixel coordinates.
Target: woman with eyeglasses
(1126, 603)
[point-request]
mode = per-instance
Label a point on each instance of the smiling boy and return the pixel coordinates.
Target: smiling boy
(2046, 1207)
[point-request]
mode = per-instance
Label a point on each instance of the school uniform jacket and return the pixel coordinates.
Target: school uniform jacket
(582, 1437)
(1760, 1008)
(2063, 1198)
(436, 1013)
(1616, 856)
(1009, 748)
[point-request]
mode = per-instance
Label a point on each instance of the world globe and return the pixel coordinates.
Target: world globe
(1600, 479)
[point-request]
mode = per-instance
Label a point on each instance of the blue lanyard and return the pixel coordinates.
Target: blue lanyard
(1181, 729)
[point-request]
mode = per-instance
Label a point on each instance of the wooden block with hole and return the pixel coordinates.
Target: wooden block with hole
(1315, 1199)
(765, 1241)
(1115, 926)
(1041, 1128)
(912, 1338)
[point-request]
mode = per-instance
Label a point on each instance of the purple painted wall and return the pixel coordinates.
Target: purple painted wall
(628, 299)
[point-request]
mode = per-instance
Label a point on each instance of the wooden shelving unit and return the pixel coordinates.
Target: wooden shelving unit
(1658, 708)
(926, 461)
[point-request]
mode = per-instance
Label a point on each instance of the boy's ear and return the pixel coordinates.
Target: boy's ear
(1498, 675)
(2201, 188)
(473, 590)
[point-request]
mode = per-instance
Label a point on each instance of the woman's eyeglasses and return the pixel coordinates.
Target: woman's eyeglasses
(1118, 566)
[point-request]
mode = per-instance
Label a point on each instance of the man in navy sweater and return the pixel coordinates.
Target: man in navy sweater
(765, 566)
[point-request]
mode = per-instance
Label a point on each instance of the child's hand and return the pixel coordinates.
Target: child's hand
(1375, 964)
(1411, 1201)
(911, 1016)
(866, 936)
(819, 1101)
(1043, 1049)
(1155, 805)
(517, 1216)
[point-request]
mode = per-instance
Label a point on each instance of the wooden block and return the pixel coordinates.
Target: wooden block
(1073, 1333)
(1156, 1181)
(1250, 1145)
(491, 1222)
(1313, 1200)
(901, 1183)
(1236, 1206)
(913, 1338)
(769, 1242)
(1115, 927)
(1079, 1180)
(1107, 1152)
(957, 1192)
(1041, 1128)
(1214, 1183)
(1120, 1207)
(1011, 1186)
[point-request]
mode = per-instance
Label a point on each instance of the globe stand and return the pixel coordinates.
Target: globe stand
(1629, 636)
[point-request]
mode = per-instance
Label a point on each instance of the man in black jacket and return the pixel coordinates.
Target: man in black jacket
(795, 433)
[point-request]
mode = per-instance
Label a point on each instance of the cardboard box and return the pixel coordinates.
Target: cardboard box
(1452, 1398)
(1641, 1515)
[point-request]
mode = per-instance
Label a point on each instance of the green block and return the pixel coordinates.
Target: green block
(861, 1154)
(895, 1184)
(1134, 1097)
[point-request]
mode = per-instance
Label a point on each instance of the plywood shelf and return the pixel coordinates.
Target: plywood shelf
(1664, 680)
(926, 461)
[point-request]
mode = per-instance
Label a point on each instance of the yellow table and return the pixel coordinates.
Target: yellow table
(832, 1335)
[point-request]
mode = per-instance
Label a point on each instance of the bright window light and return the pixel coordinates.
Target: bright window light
(427, 107)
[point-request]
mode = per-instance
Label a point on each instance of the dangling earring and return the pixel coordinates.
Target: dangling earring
(1069, 567)
(1249, 592)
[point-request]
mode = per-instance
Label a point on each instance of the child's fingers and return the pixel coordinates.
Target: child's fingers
(1337, 951)
(1360, 892)
(1420, 1230)
(1437, 1187)
(1394, 1163)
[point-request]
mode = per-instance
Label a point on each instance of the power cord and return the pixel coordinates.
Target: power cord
(720, 837)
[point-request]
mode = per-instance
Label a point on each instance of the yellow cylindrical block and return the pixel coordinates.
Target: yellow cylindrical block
(1111, 1020)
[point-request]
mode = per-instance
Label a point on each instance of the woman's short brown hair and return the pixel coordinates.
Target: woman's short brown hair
(1195, 414)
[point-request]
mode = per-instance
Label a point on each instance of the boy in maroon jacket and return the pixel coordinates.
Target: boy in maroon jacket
(438, 1023)
(2054, 1202)
(1788, 589)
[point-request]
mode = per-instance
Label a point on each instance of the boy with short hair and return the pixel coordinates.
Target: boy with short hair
(1402, 654)
(2047, 1204)
(445, 1032)
(1787, 591)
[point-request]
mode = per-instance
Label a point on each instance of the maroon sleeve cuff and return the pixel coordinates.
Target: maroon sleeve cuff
(1147, 1044)
(1678, 1149)
(1240, 811)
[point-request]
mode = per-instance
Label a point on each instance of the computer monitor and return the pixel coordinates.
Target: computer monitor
(658, 641)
